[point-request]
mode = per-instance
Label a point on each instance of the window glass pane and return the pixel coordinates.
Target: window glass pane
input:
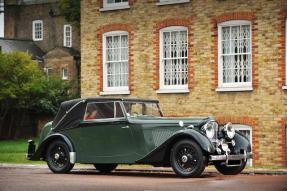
(116, 1)
(174, 57)
(38, 30)
(116, 49)
(142, 109)
(236, 54)
(99, 111)
(64, 73)
(119, 111)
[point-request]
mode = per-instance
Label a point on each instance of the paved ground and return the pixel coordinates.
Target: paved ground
(85, 179)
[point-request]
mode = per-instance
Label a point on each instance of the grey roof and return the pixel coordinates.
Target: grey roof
(11, 45)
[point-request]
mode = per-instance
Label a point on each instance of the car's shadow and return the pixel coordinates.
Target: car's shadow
(131, 173)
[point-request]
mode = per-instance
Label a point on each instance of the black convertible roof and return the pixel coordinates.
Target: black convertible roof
(71, 112)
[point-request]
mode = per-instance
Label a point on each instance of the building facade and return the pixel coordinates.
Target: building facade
(220, 58)
(40, 22)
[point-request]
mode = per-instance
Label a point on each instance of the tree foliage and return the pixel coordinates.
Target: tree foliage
(71, 9)
(24, 86)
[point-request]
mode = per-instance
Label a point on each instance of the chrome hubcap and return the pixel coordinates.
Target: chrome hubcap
(184, 158)
(56, 156)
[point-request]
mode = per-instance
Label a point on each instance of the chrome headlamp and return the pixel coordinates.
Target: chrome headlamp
(210, 129)
(229, 130)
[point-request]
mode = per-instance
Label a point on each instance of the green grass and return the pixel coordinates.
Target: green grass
(14, 151)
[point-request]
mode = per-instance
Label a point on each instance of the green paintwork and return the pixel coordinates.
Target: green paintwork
(113, 142)
(124, 140)
(46, 130)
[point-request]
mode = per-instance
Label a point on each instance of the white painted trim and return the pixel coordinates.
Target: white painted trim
(161, 75)
(233, 89)
(171, 91)
(105, 87)
(169, 2)
(64, 77)
(123, 92)
(241, 85)
(114, 8)
(33, 30)
(243, 127)
(65, 37)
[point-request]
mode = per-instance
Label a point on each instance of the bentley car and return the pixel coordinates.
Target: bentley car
(106, 132)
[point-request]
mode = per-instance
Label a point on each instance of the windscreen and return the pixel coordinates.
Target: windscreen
(135, 109)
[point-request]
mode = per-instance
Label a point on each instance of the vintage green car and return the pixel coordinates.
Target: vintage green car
(106, 132)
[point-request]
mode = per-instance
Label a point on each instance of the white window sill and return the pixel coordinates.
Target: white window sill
(172, 2)
(37, 39)
(114, 8)
(123, 92)
(171, 91)
(284, 87)
(234, 89)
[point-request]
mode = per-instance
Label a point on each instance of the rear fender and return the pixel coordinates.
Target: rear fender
(41, 150)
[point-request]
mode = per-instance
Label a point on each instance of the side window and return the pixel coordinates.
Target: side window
(119, 111)
(103, 110)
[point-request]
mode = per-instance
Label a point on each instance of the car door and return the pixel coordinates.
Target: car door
(106, 138)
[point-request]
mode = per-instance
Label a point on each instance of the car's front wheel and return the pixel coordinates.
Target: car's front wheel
(187, 159)
(105, 168)
(58, 158)
(232, 170)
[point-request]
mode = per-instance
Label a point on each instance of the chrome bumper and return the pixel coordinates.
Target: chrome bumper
(227, 157)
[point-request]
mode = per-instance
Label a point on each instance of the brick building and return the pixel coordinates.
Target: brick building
(39, 22)
(220, 58)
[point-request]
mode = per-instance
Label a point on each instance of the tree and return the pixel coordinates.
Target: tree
(71, 9)
(24, 87)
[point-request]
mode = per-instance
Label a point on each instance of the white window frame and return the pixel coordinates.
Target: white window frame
(33, 30)
(170, 88)
(239, 127)
(64, 76)
(169, 2)
(65, 36)
(113, 90)
(47, 71)
(243, 86)
(114, 6)
(285, 87)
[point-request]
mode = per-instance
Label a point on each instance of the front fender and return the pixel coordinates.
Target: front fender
(242, 143)
(41, 150)
(161, 153)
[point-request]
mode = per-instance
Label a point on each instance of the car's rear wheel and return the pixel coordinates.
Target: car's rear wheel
(105, 168)
(187, 159)
(233, 170)
(58, 158)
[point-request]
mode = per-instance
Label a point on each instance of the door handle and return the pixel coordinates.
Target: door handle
(125, 127)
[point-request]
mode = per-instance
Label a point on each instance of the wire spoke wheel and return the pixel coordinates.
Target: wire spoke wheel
(187, 159)
(58, 158)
